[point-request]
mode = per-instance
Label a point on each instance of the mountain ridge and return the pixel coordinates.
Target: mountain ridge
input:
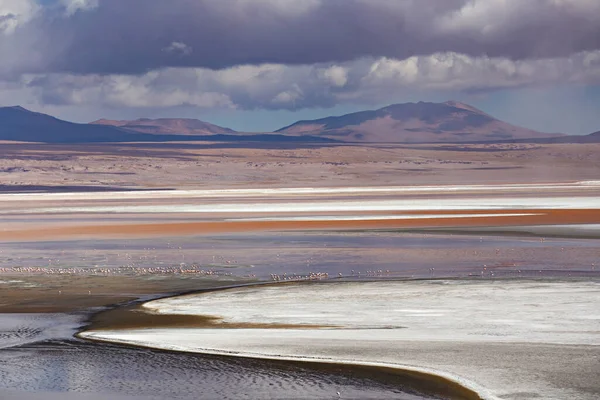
(449, 122)
(21, 125)
(421, 122)
(179, 126)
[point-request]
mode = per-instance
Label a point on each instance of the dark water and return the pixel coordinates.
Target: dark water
(84, 371)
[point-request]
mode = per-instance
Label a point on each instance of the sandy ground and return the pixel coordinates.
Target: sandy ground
(75, 293)
(212, 165)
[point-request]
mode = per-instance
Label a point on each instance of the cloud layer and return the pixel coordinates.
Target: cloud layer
(115, 36)
(278, 86)
(289, 54)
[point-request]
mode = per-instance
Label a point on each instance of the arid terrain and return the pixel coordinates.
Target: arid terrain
(210, 165)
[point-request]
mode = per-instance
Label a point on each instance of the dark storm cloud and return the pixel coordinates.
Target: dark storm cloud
(135, 36)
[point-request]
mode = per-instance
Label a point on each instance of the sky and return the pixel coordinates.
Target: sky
(258, 65)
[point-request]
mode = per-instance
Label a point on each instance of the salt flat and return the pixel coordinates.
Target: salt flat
(532, 202)
(506, 339)
(201, 193)
(59, 216)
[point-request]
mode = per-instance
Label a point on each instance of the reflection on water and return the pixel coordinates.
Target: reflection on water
(104, 371)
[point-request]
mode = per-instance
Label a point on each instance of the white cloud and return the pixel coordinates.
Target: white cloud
(335, 75)
(453, 71)
(493, 17)
(282, 7)
(289, 97)
(123, 91)
(179, 48)
(72, 6)
(14, 13)
(276, 86)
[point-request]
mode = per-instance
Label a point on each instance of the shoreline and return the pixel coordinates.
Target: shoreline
(132, 316)
(445, 384)
(425, 376)
(324, 353)
(67, 294)
(428, 382)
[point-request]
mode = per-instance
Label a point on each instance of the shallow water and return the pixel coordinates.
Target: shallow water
(257, 256)
(91, 371)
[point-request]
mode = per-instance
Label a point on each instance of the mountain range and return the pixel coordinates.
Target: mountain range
(20, 124)
(449, 122)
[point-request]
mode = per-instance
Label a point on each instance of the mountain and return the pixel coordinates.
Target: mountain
(591, 138)
(19, 124)
(400, 123)
(167, 126)
(415, 123)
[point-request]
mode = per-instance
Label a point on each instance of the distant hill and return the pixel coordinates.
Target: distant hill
(415, 123)
(19, 124)
(167, 126)
(591, 138)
